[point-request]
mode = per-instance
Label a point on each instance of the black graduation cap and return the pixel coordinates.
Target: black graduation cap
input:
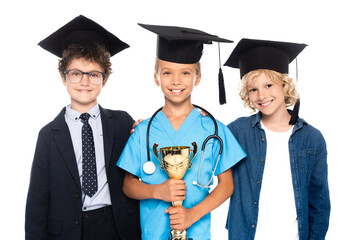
(252, 54)
(85, 32)
(184, 45)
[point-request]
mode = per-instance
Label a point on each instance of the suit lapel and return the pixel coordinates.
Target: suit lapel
(108, 125)
(62, 139)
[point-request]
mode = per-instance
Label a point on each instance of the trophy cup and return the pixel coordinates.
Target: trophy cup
(176, 161)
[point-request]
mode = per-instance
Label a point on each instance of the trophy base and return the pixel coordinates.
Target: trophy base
(178, 235)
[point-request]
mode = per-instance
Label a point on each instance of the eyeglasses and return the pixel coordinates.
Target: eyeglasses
(75, 76)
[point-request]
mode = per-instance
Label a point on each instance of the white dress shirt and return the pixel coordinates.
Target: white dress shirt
(72, 118)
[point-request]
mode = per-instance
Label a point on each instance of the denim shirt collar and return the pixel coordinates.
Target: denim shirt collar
(298, 125)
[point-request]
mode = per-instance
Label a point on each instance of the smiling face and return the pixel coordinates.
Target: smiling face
(176, 81)
(83, 94)
(267, 96)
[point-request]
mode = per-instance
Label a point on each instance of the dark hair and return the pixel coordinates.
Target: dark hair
(97, 54)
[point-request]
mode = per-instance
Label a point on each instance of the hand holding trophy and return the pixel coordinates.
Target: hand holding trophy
(176, 161)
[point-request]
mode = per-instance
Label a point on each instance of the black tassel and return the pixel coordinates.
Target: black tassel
(222, 97)
(295, 113)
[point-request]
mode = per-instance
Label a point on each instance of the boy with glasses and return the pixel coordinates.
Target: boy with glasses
(75, 188)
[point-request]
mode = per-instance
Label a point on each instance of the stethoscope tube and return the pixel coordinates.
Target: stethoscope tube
(215, 135)
(148, 133)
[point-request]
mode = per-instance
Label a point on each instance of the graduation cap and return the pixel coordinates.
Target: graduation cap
(253, 54)
(84, 32)
(185, 45)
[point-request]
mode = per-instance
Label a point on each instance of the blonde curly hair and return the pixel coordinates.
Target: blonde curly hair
(289, 87)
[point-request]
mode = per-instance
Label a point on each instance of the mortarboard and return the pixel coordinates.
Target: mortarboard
(85, 32)
(184, 45)
(252, 54)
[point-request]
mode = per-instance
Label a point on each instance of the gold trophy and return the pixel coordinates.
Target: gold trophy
(175, 161)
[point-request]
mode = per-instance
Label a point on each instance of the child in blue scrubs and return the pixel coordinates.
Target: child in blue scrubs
(281, 187)
(179, 123)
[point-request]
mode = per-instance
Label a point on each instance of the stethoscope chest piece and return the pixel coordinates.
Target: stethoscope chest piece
(149, 167)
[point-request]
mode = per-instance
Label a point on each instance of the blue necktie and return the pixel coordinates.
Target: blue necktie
(89, 175)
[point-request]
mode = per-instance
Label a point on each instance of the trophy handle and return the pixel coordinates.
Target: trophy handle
(157, 155)
(194, 153)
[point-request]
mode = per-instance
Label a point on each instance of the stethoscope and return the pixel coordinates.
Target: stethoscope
(149, 167)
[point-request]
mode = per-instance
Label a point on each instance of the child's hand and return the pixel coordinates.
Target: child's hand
(171, 190)
(180, 218)
(135, 124)
(203, 113)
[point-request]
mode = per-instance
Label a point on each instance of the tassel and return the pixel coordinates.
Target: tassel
(295, 113)
(222, 97)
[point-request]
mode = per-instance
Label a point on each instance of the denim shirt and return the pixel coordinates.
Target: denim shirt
(308, 154)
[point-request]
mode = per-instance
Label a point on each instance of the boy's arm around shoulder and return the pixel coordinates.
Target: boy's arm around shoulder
(38, 198)
(182, 218)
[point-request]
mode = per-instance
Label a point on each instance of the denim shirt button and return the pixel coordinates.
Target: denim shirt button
(263, 139)
(253, 226)
(262, 160)
(255, 202)
(258, 182)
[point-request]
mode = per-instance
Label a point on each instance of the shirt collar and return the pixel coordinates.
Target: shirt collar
(75, 115)
(256, 120)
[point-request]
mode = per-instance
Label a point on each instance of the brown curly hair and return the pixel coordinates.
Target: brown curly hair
(97, 54)
(288, 84)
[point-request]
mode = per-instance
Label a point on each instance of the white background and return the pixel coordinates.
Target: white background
(32, 93)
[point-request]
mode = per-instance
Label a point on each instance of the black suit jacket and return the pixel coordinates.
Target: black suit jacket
(54, 205)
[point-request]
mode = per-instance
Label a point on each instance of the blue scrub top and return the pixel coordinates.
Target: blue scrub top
(155, 222)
